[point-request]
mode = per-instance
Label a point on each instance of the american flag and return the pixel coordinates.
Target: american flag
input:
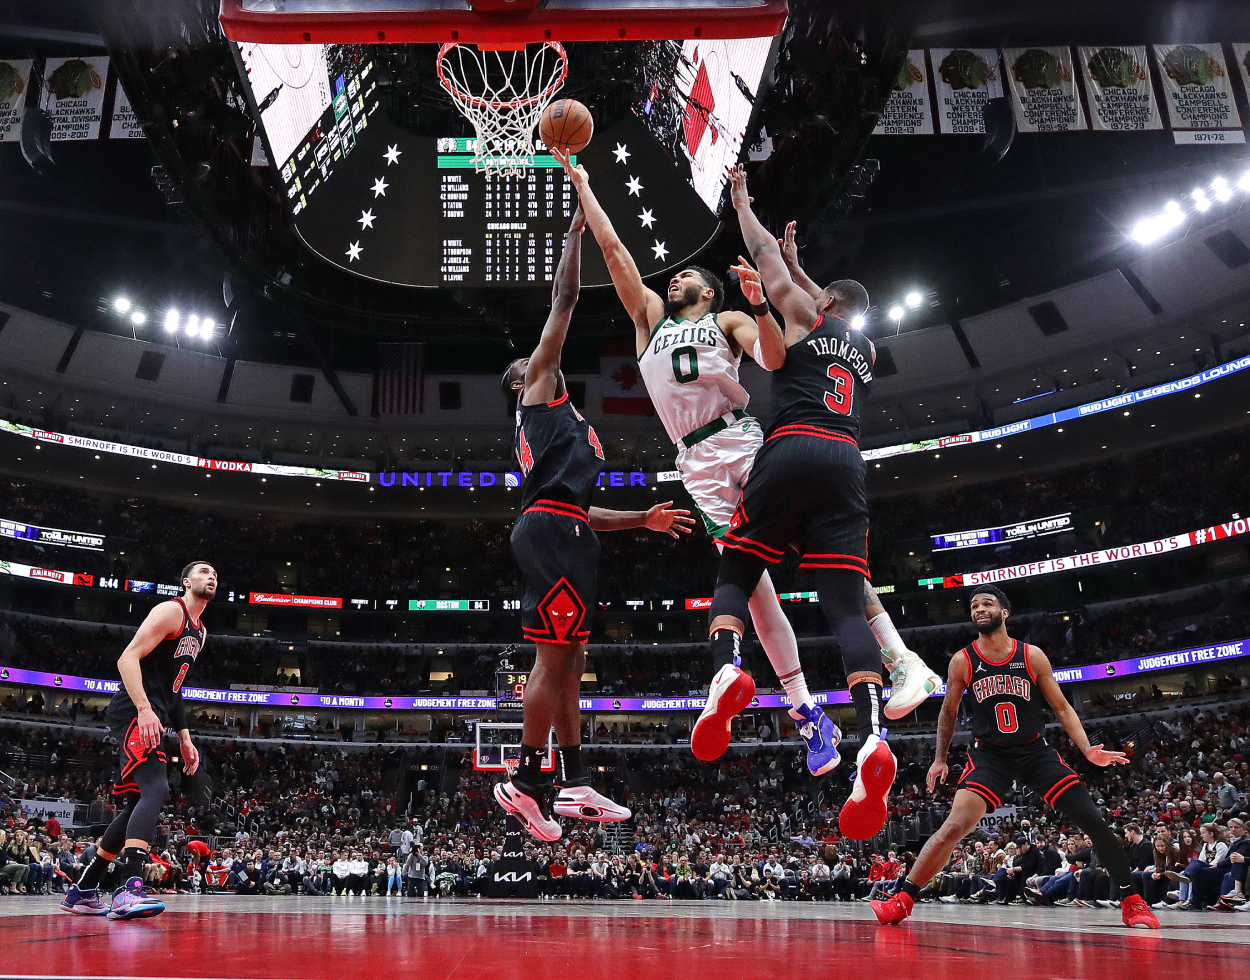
(399, 385)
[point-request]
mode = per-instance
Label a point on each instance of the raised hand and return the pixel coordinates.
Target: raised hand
(789, 250)
(1104, 757)
(670, 522)
(749, 281)
(578, 173)
(738, 187)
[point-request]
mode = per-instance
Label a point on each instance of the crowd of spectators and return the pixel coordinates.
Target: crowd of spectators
(1121, 501)
(419, 821)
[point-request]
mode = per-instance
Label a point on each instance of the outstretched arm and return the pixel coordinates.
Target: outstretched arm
(643, 305)
(659, 518)
(790, 253)
(760, 336)
(1067, 717)
(542, 374)
(797, 308)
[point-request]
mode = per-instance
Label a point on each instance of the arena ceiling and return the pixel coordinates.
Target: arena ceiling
(182, 213)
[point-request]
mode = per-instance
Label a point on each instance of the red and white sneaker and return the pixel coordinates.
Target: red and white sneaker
(1136, 913)
(531, 812)
(729, 693)
(582, 802)
(864, 814)
(894, 910)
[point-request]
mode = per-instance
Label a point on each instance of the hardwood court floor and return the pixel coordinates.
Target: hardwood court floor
(387, 939)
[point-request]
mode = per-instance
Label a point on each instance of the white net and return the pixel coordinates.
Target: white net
(503, 93)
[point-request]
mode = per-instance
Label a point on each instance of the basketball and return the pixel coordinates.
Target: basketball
(567, 126)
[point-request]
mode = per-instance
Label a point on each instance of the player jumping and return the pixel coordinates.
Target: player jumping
(557, 552)
(153, 669)
(689, 352)
(1003, 678)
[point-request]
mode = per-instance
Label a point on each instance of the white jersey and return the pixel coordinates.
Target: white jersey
(691, 374)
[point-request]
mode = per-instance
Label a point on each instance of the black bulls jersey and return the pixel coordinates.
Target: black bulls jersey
(559, 453)
(165, 671)
(1002, 698)
(825, 379)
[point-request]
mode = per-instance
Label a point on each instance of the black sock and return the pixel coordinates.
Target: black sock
(910, 887)
(131, 861)
(866, 696)
(726, 648)
(1125, 891)
(93, 873)
(530, 770)
(570, 770)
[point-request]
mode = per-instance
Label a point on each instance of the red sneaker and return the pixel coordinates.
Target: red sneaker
(894, 910)
(1136, 913)
(730, 692)
(864, 814)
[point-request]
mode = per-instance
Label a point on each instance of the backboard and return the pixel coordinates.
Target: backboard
(498, 747)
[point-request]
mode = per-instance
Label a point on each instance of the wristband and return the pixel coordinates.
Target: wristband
(760, 309)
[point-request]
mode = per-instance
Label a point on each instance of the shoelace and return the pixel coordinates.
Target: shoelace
(898, 675)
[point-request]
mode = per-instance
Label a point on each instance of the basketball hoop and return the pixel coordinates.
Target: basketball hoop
(510, 766)
(503, 93)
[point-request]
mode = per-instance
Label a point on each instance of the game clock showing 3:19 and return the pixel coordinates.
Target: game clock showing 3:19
(510, 685)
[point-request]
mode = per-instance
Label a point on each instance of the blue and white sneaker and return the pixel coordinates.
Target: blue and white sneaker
(133, 902)
(822, 737)
(84, 901)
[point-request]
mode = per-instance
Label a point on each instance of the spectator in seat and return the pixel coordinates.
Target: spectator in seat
(246, 880)
(1233, 885)
(1203, 874)
(1154, 882)
(340, 873)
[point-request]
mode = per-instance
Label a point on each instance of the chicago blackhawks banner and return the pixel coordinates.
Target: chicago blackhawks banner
(1118, 89)
(14, 81)
(1199, 93)
(909, 110)
(1043, 89)
(965, 78)
(73, 95)
(124, 125)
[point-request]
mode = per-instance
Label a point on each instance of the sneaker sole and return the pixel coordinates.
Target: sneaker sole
(144, 912)
(710, 737)
(878, 909)
(901, 709)
(578, 811)
(863, 819)
(79, 910)
(502, 799)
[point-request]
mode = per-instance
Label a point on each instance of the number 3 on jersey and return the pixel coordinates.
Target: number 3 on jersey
(839, 400)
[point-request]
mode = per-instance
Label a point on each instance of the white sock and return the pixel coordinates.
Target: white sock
(892, 645)
(777, 638)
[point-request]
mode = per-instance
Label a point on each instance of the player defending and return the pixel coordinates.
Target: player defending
(689, 352)
(807, 491)
(1003, 679)
(558, 554)
(153, 669)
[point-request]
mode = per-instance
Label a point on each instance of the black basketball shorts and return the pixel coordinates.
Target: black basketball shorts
(137, 763)
(806, 491)
(558, 555)
(991, 770)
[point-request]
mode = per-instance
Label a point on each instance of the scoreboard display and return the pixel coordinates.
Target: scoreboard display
(510, 684)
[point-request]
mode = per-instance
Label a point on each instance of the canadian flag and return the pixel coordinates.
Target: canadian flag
(623, 390)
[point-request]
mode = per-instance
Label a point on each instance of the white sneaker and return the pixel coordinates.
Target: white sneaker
(911, 682)
(529, 811)
(583, 802)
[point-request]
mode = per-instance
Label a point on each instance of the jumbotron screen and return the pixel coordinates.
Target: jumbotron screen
(392, 206)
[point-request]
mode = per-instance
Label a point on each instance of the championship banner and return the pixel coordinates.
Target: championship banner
(1043, 90)
(965, 78)
(14, 81)
(909, 109)
(73, 95)
(623, 390)
(1118, 89)
(1148, 663)
(1199, 93)
(124, 125)
(1241, 53)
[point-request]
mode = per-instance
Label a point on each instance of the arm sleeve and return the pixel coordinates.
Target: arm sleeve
(177, 712)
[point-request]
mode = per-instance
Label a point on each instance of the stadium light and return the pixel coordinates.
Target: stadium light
(207, 327)
(138, 318)
(913, 298)
(1221, 190)
(896, 313)
(857, 322)
(121, 304)
(193, 326)
(1244, 183)
(1201, 201)
(171, 321)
